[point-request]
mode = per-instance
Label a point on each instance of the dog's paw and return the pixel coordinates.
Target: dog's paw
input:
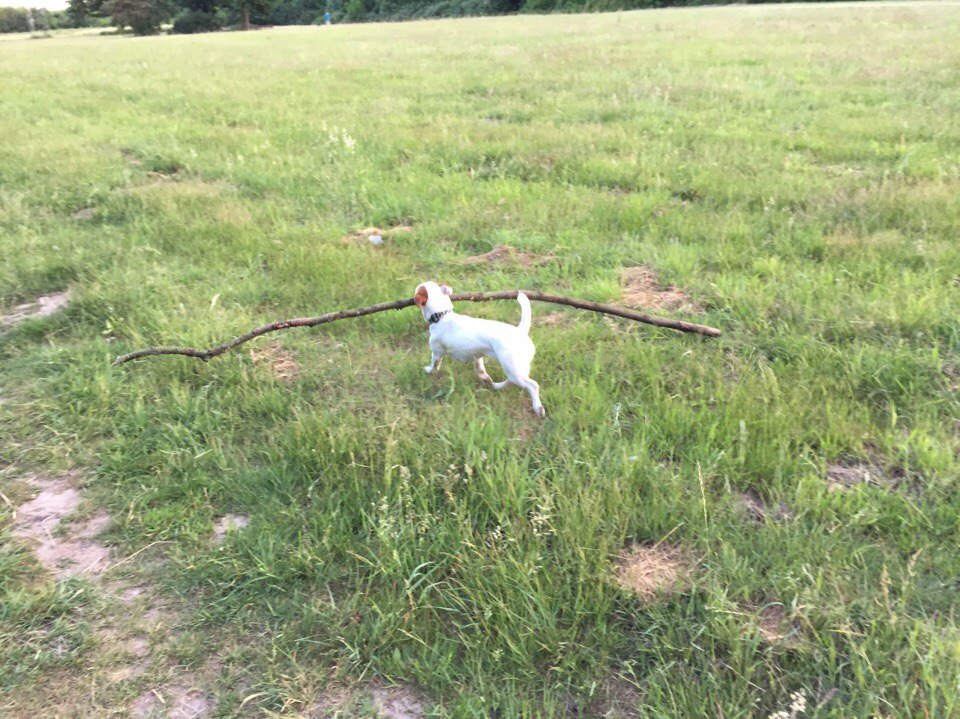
(428, 369)
(541, 413)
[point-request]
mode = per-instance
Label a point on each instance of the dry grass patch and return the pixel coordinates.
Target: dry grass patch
(278, 360)
(507, 255)
(654, 570)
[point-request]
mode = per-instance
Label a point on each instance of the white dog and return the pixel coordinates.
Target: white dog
(470, 338)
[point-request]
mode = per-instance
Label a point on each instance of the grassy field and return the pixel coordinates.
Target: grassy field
(788, 493)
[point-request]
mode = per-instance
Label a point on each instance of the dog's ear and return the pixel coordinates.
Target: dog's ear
(420, 296)
(447, 290)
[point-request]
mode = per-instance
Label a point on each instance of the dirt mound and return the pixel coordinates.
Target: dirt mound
(41, 307)
(642, 289)
(653, 570)
(505, 254)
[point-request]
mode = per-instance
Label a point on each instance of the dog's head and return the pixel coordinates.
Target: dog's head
(432, 298)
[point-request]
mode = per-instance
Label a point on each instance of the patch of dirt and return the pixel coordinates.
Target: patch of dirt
(774, 625)
(36, 520)
(41, 307)
(228, 523)
(279, 360)
(388, 702)
(553, 319)
(761, 512)
(331, 702)
(617, 698)
(642, 289)
(397, 702)
(384, 232)
(136, 652)
(131, 593)
(507, 255)
(173, 702)
(84, 213)
(845, 474)
(653, 570)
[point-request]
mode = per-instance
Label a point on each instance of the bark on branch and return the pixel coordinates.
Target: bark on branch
(400, 304)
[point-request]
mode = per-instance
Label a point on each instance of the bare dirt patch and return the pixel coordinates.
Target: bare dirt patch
(617, 698)
(131, 593)
(759, 511)
(42, 307)
(388, 702)
(397, 702)
(176, 701)
(507, 255)
(369, 233)
(278, 359)
(228, 523)
(653, 570)
(84, 213)
(37, 519)
(848, 473)
(642, 289)
(553, 319)
(774, 624)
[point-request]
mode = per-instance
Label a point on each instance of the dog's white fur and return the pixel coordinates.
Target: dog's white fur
(471, 338)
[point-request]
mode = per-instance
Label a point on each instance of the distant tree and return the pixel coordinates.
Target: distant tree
(204, 6)
(193, 21)
(144, 17)
(81, 12)
(252, 11)
(13, 19)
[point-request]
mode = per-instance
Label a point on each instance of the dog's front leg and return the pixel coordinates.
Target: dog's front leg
(436, 356)
(435, 360)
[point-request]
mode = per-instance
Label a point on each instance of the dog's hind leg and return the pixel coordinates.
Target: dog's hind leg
(534, 389)
(482, 371)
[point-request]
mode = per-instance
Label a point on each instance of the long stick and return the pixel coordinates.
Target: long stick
(400, 304)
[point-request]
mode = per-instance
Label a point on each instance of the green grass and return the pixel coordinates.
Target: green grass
(794, 169)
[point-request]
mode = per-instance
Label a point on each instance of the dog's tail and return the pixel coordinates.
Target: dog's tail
(525, 313)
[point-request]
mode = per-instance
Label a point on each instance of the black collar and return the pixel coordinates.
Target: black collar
(437, 316)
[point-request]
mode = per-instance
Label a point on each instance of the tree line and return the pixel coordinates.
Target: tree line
(144, 17)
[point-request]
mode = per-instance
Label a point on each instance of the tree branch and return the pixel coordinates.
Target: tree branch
(400, 304)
